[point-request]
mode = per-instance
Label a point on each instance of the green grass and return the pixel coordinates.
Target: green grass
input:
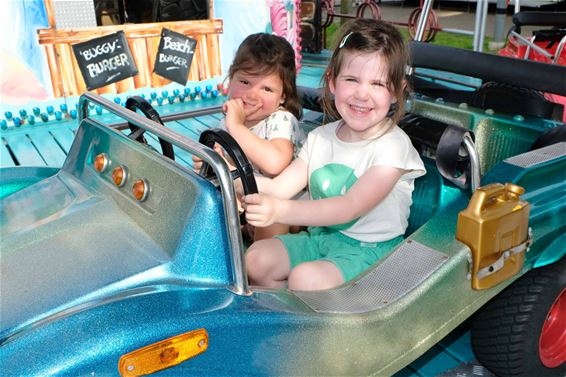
(441, 38)
(452, 40)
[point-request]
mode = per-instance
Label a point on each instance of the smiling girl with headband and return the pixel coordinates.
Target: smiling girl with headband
(360, 172)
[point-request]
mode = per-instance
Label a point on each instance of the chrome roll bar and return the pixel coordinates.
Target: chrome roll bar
(240, 284)
(475, 174)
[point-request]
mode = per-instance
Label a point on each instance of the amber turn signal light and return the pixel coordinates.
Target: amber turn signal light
(101, 162)
(163, 354)
(140, 189)
(119, 176)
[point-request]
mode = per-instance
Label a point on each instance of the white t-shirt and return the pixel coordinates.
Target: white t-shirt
(334, 166)
(280, 124)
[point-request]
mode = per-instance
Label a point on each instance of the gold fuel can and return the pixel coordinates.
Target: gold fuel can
(495, 228)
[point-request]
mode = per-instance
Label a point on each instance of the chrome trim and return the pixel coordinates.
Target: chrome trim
(506, 254)
(217, 163)
(421, 27)
(479, 24)
(530, 44)
(179, 116)
(423, 20)
(474, 162)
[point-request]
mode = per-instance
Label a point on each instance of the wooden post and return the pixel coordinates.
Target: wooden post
(214, 55)
(204, 69)
(139, 49)
(68, 74)
(54, 70)
(50, 13)
(210, 9)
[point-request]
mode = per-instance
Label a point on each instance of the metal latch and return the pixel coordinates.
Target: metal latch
(499, 263)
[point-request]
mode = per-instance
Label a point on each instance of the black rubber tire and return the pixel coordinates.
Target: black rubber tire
(506, 331)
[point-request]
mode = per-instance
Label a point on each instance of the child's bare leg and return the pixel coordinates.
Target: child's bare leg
(267, 263)
(316, 275)
(270, 231)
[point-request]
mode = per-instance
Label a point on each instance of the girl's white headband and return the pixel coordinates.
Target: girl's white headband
(345, 39)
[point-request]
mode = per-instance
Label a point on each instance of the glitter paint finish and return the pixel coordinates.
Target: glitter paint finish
(90, 274)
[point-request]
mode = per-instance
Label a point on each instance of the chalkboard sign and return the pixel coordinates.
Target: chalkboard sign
(105, 60)
(174, 56)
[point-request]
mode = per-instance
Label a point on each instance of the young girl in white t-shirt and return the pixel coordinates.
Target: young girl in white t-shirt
(359, 171)
(263, 108)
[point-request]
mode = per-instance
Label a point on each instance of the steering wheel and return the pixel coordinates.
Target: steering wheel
(244, 169)
(138, 103)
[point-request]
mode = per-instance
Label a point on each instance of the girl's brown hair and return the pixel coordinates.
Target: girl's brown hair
(369, 36)
(263, 54)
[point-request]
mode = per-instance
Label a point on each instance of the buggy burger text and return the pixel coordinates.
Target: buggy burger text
(109, 64)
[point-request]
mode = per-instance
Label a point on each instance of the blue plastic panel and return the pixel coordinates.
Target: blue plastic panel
(24, 150)
(5, 158)
(64, 137)
(50, 151)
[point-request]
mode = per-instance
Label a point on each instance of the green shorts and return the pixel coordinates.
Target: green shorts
(352, 257)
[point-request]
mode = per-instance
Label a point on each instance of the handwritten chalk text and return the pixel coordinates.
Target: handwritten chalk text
(177, 46)
(173, 59)
(110, 64)
(104, 48)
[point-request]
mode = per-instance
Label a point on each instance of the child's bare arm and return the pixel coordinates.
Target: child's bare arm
(287, 184)
(197, 162)
(372, 187)
(269, 156)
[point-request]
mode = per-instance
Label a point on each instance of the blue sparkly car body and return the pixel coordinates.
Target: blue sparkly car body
(89, 273)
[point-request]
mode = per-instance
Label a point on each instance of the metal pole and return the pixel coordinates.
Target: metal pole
(530, 45)
(479, 29)
(423, 20)
(477, 24)
(498, 31)
(484, 20)
(421, 28)
(475, 173)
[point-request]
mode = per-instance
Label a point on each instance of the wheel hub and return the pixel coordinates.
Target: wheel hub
(552, 345)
